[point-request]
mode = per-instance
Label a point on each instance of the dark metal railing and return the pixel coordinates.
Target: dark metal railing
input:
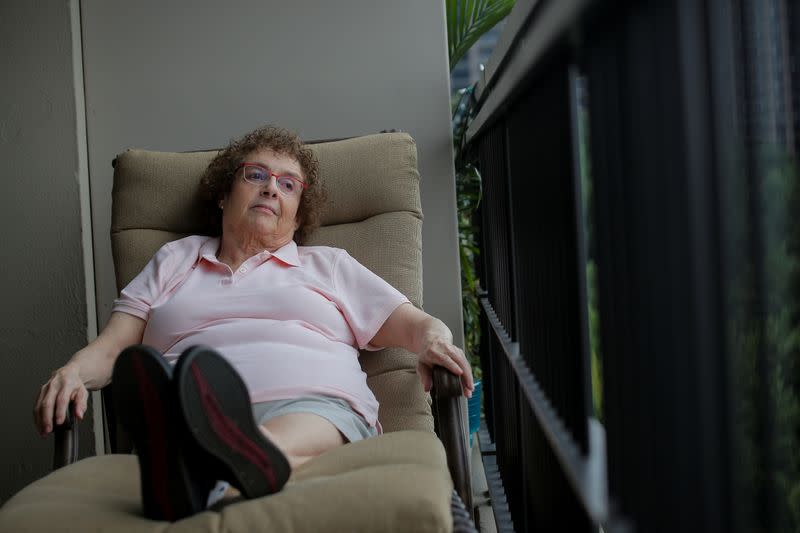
(537, 427)
(535, 354)
(690, 214)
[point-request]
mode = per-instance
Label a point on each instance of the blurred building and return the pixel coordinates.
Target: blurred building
(468, 70)
(770, 39)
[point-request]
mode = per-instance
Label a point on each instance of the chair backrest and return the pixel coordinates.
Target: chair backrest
(373, 212)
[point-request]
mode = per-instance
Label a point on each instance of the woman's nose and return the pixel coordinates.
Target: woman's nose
(270, 188)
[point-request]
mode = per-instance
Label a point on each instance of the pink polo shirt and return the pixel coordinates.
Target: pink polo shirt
(290, 322)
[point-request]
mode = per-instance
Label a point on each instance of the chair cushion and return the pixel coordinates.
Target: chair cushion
(393, 482)
(373, 212)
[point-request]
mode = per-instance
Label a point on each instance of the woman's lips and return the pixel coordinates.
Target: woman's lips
(265, 209)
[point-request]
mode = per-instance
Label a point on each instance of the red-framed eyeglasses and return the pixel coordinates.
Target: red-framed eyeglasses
(258, 174)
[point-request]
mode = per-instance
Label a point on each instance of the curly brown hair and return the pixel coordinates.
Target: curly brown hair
(218, 177)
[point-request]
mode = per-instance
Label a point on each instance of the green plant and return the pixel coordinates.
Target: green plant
(467, 20)
(468, 197)
(764, 338)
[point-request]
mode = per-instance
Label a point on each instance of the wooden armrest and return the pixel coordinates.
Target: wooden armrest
(66, 434)
(66, 440)
(447, 412)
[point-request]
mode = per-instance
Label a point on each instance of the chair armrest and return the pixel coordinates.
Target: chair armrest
(66, 440)
(66, 434)
(449, 419)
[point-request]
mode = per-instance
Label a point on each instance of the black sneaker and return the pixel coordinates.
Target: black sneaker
(216, 408)
(172, 487)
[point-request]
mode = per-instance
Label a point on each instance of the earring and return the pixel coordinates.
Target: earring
(221, 206)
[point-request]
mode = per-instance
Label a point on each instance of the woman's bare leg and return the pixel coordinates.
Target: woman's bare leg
(301, 437)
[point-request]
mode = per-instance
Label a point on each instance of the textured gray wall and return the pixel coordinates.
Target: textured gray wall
(43, 316)
(191, 74)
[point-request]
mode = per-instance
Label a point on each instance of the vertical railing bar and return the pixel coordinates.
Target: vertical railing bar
(584, 348)
(574, 464)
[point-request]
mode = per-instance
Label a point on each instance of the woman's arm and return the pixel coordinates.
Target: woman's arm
(428, 337)
(89, 369)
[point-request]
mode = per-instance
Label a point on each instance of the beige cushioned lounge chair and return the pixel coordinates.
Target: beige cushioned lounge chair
(399, 481)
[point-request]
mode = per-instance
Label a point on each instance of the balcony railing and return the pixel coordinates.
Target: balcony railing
(646, 118)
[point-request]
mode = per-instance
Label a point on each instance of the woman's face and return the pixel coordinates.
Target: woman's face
(266, 213)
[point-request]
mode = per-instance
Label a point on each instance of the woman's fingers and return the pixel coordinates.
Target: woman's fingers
(54, 398)
(81, 399)
(446, 360)
(455, 356)
(38, 415)
(461, 360)
(46, 409)
(62, 404)
(452, 358)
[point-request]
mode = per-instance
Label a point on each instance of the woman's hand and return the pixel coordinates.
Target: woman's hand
(89, 369)
(51, 406)
(428, 337)
(439, 350)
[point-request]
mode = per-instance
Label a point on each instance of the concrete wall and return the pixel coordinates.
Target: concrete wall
(43, 319)
(191, 74)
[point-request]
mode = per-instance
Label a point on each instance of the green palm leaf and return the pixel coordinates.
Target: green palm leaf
(467, 20)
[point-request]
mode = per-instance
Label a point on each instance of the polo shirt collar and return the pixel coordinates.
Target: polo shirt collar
(208, 250)
(287, 253)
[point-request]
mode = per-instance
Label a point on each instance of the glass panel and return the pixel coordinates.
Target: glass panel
(763, 259)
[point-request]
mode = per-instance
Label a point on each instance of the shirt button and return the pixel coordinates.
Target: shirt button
(243, 270)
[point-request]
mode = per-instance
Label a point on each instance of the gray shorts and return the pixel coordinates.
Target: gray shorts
(335, 410)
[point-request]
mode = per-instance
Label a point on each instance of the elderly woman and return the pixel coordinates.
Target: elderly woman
(259, 337)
